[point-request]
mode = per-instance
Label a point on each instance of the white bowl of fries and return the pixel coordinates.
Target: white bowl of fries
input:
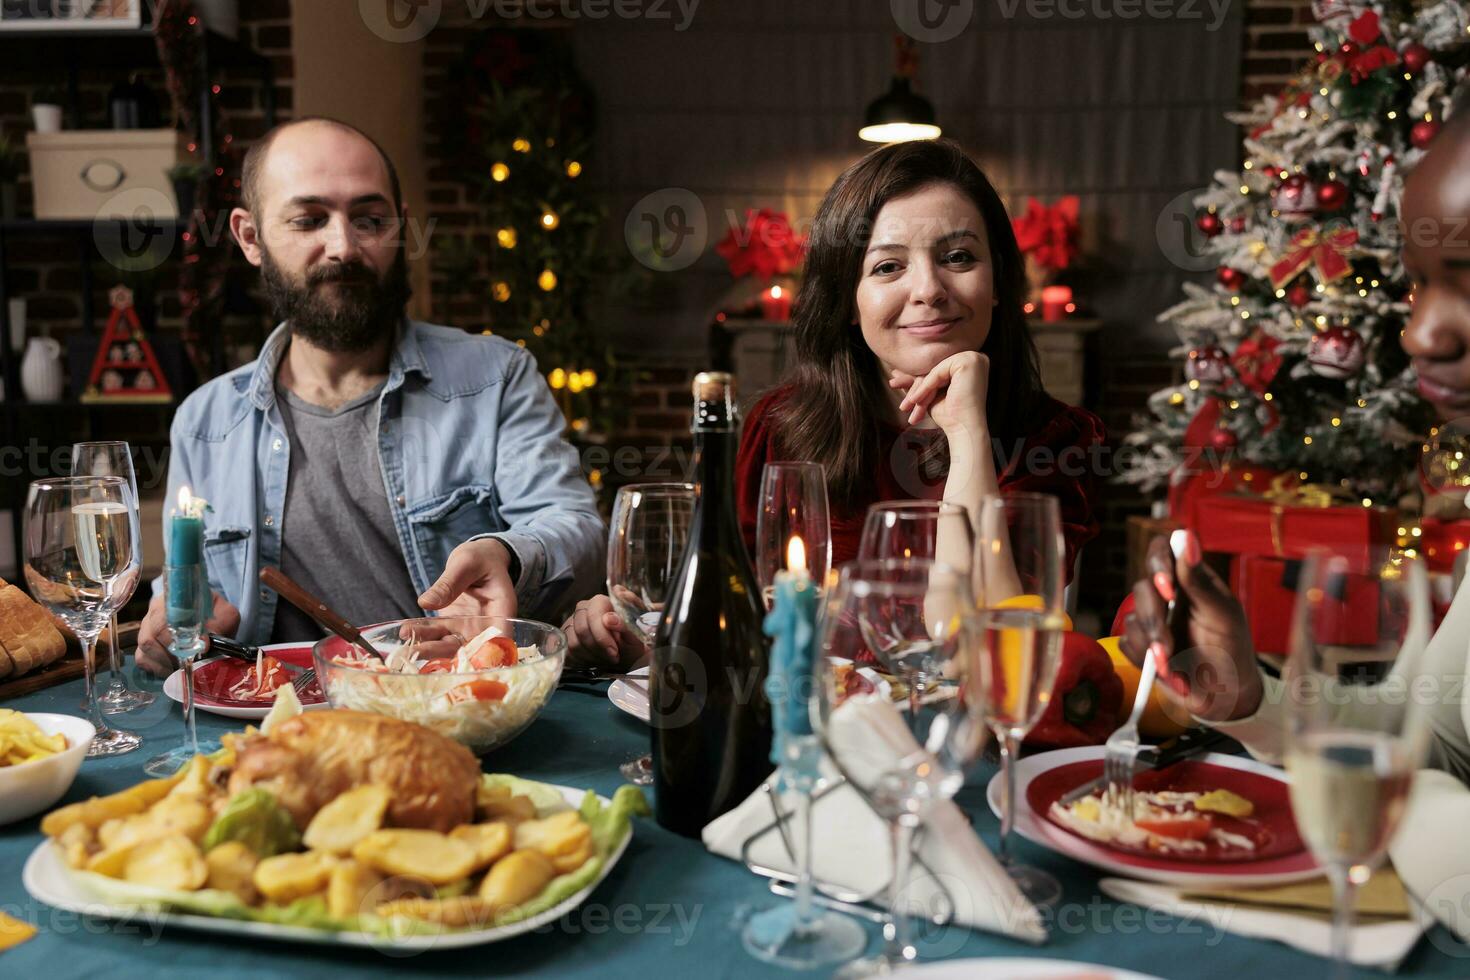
(39, 757)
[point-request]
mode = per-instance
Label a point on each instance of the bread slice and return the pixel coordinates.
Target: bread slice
(29, 636)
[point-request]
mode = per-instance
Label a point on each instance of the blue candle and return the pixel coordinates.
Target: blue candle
(791, 624)
(185, 551)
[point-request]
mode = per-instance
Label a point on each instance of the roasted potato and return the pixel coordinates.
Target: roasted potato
(498, 803)
(77, 843)
(455, 912)
(491, 841)
(172, 862)
(195, 780)
(338, 826)
(287, 877)
(516, 878)
(232, 869)
(100, 809)
(426, 854)
(563, 837)
(351, 889)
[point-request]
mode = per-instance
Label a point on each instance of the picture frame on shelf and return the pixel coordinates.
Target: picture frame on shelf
(70, 15)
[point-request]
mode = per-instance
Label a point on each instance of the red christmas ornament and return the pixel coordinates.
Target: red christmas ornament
(1295, 198)
(1332, 195)
(1223, 440)
(1256, 361)
(1299, 296)
(1207, 365)
(1424, 133)
(1338, 352)
(1237, 224)
(1231, 278)
(1210, 224)
(1416, 57)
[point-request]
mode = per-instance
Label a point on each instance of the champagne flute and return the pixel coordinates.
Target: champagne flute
(902, 770)
(81, 563)
(650, 523)
(1023, 605)
(188, 599)
(1351, 768)
(793, 504)
(114, 459)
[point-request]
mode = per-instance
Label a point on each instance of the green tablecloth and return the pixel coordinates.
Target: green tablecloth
(665, 910)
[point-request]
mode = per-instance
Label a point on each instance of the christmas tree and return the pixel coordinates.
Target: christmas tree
(1292, 359)
(521, 132)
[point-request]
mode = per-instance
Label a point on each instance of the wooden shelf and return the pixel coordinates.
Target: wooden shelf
(108, 48)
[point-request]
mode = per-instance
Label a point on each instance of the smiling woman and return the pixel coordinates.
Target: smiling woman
(915, 375)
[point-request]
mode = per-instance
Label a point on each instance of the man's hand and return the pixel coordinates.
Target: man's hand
(154, 635)
(598, 637)
(1210, 659)
(476, 582)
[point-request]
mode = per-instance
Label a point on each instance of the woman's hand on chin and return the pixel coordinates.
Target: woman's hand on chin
(952, 393)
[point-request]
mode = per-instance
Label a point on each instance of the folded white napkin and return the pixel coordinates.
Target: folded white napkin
(1382, 944)
(853, 846)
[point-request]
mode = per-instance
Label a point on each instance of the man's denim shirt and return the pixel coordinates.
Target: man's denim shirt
(469, 444)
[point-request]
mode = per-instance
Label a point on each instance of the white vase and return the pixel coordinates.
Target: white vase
(40, 370)
(47, 117)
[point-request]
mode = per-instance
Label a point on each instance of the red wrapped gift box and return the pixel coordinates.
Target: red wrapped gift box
(1267, 590)
(1442, 541)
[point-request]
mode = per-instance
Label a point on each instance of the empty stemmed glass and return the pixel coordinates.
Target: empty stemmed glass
(902, 770)
(81, 563)
(188, 600)
(933, 530)
(1352, 750)
(650, 524)
(1022, 600)
(793, 504)
(113, 459)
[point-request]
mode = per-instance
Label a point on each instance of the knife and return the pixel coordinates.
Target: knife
(1185, 745)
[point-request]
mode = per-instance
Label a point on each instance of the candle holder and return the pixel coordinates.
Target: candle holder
(187, 600)
(797, 934)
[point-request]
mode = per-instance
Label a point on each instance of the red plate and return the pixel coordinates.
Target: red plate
(1272, 825)
(213, 680)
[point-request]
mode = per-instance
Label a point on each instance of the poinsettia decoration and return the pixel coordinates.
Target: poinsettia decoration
(1370, 53)
(764, 247)
(1048, 234)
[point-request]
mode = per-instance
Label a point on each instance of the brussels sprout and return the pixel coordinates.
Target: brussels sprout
(255, 819)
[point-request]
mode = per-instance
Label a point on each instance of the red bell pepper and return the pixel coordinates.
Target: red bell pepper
(1087, 701)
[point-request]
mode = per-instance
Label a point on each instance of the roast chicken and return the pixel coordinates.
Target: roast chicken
(308, 761)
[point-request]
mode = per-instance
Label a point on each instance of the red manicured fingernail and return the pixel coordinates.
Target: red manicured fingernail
(1161, 658)
(1192, 553)
(1165, 587)
(1177, 684)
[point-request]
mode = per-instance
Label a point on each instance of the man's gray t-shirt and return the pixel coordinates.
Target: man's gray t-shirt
(337, 535)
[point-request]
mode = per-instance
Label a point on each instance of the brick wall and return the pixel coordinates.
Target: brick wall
(45, 269)
(1276, 44)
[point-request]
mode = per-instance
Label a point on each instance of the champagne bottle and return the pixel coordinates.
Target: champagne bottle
(710, 719)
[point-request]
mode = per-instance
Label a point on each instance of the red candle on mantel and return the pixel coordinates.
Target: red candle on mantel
(776, 303)
(1056, 303)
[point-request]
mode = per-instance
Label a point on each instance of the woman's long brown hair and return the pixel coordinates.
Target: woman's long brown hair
(838, 401)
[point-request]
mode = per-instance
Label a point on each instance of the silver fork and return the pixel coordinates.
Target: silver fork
(300, 682)
(1121, 751)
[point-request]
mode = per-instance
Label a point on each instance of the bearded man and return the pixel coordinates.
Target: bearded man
(387, 465)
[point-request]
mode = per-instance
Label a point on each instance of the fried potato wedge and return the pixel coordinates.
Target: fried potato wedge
(516, 878)
(100, 809)
(287, 877)
(172, 862)
(498, 803)
(563, 837)
(491, 841)
(427, 854)
(352, 888)
(338, 826)
(232, 869)
(465, 910)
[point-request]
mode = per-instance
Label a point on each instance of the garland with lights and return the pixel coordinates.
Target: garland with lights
(1292, 360)
(520, 130)
(204, 272)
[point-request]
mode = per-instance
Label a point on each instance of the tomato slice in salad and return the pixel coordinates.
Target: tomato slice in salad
(479, 691)
(498, 651)
(438, 665)
(1184, 828)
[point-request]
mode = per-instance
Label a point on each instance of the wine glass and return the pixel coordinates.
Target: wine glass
(1022, 599)
(902, 770)
(114, 459)
(793, 504)
(645, 541)
(1352, 754)
(903, 529)
(188, 599)
(81, 563)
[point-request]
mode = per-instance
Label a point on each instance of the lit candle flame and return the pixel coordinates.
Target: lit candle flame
(186, 499)
(796, 554)
(775, 292)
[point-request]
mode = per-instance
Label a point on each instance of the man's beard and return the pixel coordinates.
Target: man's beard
(364, 310)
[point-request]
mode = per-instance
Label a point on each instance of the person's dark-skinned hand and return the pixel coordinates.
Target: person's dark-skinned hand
(1209, 661)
